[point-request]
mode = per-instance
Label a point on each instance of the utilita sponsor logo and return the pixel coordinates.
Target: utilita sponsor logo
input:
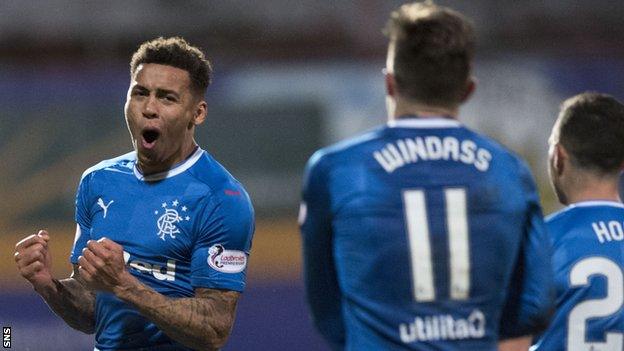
(443, 327)
(159, 272)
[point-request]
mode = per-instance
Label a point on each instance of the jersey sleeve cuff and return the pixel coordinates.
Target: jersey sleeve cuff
(222, 284)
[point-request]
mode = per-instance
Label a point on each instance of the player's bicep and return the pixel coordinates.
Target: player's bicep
(218, 308)
(225, 300)
(221, 249)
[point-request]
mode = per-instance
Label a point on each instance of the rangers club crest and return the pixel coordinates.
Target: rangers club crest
(169, 217)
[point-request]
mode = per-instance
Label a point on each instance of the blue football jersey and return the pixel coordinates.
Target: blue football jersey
(588, 260)
(185, 228)
(413, 235)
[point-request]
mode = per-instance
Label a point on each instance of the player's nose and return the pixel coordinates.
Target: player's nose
(150, 107)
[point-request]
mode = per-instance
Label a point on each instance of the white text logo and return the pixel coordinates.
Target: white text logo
(443, 327)
(159, 272)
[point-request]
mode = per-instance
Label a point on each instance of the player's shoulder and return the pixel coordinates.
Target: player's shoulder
(560, 222)
(215, 177)
(570, 218)
(343, 150)
(123, 164)
(506, 161)
(497, 148)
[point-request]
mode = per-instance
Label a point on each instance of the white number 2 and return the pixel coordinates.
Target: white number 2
(420, 246)
(594, 308)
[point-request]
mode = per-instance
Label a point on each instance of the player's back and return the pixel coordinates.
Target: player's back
(428, 219)
(588, 243)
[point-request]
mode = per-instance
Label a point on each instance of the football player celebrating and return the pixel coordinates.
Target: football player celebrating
(163, 233)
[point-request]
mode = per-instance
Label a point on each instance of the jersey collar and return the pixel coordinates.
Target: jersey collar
(174, 171)
(592, 203)
(430, 122)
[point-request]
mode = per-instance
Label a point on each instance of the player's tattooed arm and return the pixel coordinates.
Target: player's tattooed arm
(203, 322)
(68, 298)
(71, 301)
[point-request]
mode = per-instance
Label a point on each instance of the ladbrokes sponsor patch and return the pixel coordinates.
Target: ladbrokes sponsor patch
(226, 261)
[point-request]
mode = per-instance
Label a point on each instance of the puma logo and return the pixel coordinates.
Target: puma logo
(100, 202)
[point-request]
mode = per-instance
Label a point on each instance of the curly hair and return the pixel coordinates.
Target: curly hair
(175, 52)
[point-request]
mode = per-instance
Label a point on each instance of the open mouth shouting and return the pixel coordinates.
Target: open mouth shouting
(149, 137)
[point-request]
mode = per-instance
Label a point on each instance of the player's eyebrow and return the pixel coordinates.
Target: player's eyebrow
(162, 92)
(159, 91)
(138, 86)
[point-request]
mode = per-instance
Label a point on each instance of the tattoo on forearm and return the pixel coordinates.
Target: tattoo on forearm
(203, 322)
(73, 303)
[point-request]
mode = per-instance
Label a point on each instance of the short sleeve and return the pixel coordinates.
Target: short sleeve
(83, 219)
(530, 299)
(222, 245)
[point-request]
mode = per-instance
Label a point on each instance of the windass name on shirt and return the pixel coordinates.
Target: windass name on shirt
(432, 148)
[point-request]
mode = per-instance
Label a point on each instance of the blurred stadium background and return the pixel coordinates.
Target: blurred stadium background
(290, 77)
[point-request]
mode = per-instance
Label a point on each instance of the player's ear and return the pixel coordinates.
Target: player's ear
(390, 83)
(559, 158)
(201, 109)
(471, 85)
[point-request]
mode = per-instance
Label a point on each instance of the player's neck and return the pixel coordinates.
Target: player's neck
(592, 189)
(594, 196)
(171, 162)
(404, 108)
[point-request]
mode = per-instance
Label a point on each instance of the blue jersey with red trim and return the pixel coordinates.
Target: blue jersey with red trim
(185, 228)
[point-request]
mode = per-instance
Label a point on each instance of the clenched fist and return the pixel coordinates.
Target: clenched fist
(33, 259)
(102, 266)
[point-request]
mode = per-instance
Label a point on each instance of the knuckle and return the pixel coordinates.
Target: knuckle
(22, 242)
(37, 266)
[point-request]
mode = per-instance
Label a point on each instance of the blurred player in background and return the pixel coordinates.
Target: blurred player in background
(163, 233)
(422, 234)
(586, 156)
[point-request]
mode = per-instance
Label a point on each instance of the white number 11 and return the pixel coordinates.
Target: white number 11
(420, 244)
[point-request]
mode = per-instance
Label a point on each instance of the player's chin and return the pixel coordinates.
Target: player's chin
(147, 156)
